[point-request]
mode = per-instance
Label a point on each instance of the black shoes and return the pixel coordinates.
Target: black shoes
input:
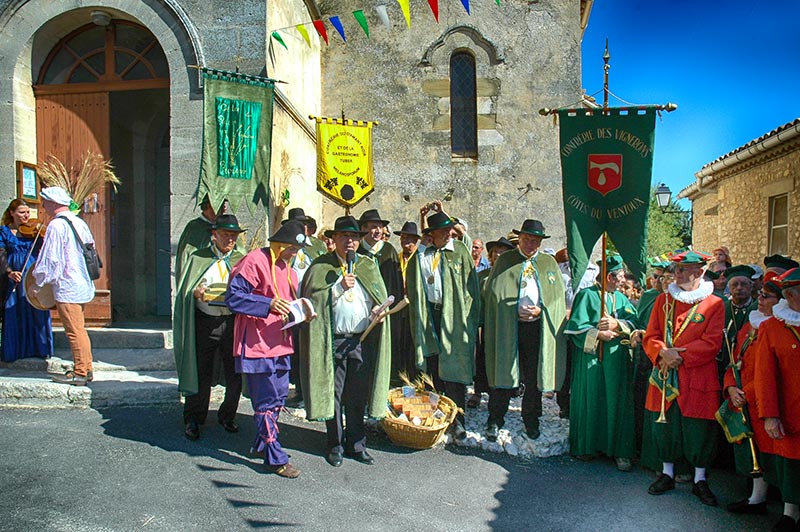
(785, 524)
(334, 458)
(703, 492)
(457, 431)
(492, 432)
(744, 507)
(361, 456)
(532, 432)
(192, 431)
(229, 425)
(663, 484)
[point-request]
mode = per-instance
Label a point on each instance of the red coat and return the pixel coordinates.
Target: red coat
(697, 376)
(747, 373)
(777, 382)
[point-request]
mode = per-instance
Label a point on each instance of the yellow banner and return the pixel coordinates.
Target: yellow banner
(344, 160)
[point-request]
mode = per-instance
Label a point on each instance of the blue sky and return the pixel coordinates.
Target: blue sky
(732, 67)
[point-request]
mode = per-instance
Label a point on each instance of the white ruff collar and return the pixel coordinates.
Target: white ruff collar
(691, 297)
(757, 318)
(784, 313)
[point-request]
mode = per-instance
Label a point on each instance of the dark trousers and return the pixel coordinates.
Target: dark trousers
(352, 380)
(481, 379)
(294, 373)
(562, 398)
(529, 339)
(214, 345)
(454, 390)
(268, 393)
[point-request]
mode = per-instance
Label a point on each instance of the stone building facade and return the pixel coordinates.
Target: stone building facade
(749, 199)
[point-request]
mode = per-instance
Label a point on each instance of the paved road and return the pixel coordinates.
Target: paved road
(131, 469)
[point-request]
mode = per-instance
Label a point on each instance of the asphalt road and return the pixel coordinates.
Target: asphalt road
(131, 469)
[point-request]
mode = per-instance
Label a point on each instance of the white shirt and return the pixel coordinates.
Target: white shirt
(61, 263)
(351, 308)
(217, 273)
(426, 257)
(529, 284)
(300, 264)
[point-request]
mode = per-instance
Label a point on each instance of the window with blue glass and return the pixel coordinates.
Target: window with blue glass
(463, 106)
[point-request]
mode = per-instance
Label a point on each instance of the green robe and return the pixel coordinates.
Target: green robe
(183, 331)
(733, 323)
(196, 235)
(460, 314)
(641, 370)
(501, 320)
(316, 249)
(316, 338)
(645, 307)
(601, 398)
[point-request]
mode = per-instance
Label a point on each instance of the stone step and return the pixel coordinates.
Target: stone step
(119, 338)
(103, 360)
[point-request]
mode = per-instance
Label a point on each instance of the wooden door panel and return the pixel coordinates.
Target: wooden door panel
(68, 126)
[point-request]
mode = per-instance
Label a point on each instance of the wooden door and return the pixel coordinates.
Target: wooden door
(68, 126)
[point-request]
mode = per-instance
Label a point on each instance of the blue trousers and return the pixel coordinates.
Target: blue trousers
(268, 393)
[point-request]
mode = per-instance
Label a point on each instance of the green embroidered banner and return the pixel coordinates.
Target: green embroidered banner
(606, 167)
(237, 136)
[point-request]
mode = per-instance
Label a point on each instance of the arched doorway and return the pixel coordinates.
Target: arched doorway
(104, 87)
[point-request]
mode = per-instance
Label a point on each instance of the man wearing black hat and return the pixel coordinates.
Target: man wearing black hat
(524, 316)
(342, 374)
(403, 358)
(601, 398)
(203, 328)
(196, 235)
(737, 310)
(444, 307)
(779, 264)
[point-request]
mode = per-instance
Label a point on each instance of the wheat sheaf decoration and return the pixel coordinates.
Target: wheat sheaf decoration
(93, 174)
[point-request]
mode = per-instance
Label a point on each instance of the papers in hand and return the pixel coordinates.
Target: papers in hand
(300, 310)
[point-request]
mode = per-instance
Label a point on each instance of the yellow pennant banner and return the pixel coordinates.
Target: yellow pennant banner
(344, 159)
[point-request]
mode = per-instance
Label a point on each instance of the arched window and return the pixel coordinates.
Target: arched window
(463, 106)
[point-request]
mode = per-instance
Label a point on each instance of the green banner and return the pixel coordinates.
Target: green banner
(606, 166)
(237, 136)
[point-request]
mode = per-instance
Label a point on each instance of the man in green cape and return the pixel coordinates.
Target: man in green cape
(601, 402)
(203, 329)
(196, 235)
(444, 310)
(340, 372)
(737, 310)
(524, 316)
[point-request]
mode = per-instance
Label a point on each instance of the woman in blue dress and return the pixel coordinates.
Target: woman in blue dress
(27, 332)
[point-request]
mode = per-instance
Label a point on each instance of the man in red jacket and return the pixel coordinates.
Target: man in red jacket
(682, 340)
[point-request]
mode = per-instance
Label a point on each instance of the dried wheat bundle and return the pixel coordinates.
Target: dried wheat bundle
(92, 176)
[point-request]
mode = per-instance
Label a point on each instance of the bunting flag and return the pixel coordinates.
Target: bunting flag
(277, 37)
(320, 27)
(237, 135)
(465, 3)
(337, 24)
(344, 160)
(383, 15)
(362, 21)
(435, 8)
(606, 164)
(406, 11)
(301, 29)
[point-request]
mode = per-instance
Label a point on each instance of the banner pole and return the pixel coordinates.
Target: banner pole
(603, 273)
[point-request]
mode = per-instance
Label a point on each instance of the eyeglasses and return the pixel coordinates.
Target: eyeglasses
(766, 295)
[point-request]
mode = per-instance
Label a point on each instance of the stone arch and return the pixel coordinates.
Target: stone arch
(448, 41)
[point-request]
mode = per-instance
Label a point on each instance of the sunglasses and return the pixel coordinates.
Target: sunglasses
(766, 295)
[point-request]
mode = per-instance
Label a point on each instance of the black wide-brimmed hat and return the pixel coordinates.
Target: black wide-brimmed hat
(227, 222)
(500, 242)
(296, 213)
(779, 261)
(292, 232)
(532, 227)
(438, 220)
(409, 228)
(345, 224)
(371, 215)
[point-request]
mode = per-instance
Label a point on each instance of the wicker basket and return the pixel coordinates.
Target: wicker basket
(415, 436)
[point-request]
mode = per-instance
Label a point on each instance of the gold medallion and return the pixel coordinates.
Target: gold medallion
(349, 296)
(430, 279)
(524, 284)
(302, 265)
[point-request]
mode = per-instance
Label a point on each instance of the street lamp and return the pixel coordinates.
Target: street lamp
(663, 195)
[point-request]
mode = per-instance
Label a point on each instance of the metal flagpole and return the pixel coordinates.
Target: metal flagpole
(606, 68)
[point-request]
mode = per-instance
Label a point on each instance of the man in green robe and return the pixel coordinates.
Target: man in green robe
(444, 308)
(196, 235)
(203, 329)
(601, 402)
(340, 373)
(524, 316)
(737, 311)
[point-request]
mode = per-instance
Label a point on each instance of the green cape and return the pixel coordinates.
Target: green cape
(316, 249)
(501, 318)
(316, 338)
(460, 315)
(196, 235)
(645, 307)
(183, 332)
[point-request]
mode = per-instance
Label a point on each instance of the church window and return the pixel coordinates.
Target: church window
(463, 106)
(779, 225)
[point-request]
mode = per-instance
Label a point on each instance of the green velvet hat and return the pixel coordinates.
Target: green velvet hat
(779, 261)
(691, 257)
(711, 276)
(438, 220)
(740, 270)
(790, 278)
(613, 263)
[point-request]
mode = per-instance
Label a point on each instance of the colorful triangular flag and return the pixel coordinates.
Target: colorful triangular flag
(465, 3)
(336, 23)
(383, 15)
(301, 29)
(406, 11)
(277, 37)
(362, 21)
(320, 27)
(435, 8)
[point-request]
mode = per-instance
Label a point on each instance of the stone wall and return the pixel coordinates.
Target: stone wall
(527, 57)
(735, 213)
